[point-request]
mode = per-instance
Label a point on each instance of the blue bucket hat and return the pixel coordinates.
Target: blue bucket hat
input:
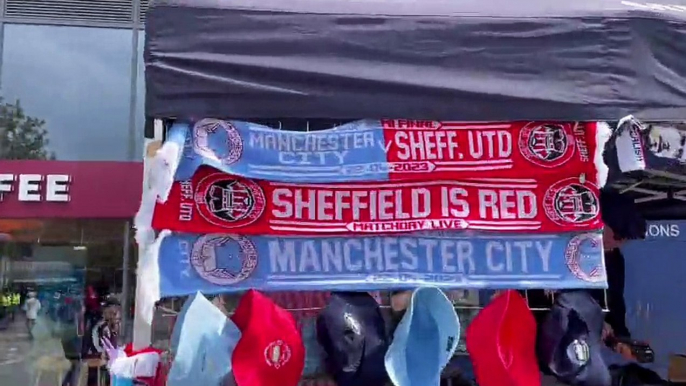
(204, 340)
(352, 332)
(569, 341)
(424, 341)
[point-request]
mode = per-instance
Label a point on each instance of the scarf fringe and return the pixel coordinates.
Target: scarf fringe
(147, 291)
(603, 134)
(149, 277)
(163, 168)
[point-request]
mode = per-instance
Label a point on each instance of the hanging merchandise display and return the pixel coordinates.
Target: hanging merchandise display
(281, 167)
(214, 202)
(570, 343)
(649, 146)
(202, 342)
(501, 340)
(380, 150)
(352, 332)
(271, 350)
(217, 263)
(424, 340)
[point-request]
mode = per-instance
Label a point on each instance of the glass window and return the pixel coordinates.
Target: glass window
(56, 279)
(77, 81)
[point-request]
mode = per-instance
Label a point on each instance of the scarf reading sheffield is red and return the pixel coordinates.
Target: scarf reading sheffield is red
(215, 202)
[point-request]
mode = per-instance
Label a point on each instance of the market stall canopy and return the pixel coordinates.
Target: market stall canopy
(439, 59)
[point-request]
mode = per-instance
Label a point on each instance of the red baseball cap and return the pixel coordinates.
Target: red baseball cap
(271, 350)
(501, 341)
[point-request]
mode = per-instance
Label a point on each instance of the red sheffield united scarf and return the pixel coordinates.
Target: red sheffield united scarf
(215, 202)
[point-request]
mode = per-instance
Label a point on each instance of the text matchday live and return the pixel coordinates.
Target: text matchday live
(214, 202)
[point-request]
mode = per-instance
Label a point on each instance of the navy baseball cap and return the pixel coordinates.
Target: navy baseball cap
(569, 341)
(352, 333)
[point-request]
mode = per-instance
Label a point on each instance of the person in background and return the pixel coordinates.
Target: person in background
(4, 304)
(71, 337)
(9, 304)
(16, 303)
(623, 222)
(32, 306)
(107, 328)
(93, 307)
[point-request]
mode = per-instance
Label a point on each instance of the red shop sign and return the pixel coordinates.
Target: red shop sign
(66, 189)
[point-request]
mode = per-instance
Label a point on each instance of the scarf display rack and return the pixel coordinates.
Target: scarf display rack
(245, 204)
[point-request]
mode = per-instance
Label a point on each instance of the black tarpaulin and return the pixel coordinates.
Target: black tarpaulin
(466, 60)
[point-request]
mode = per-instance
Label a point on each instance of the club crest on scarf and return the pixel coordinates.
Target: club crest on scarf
(228, 154)
(547, 145)
(228, 201)
(584, 257)
(277, 354)
(571, 201)
(235, 266)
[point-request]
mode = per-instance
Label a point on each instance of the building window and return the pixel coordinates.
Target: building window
(75, 82)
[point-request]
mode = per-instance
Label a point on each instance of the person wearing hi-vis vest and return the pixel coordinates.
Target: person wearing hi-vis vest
(4, 304)
(15, 299)
(8, 302)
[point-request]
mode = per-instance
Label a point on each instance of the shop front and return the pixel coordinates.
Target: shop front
(65, 227)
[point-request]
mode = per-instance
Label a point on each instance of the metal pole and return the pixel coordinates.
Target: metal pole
(125, 304)
(133, 138)
(133, 97)
(2, 36)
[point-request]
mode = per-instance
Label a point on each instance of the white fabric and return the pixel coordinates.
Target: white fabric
(603, 134)
(145, 236)
(630, 146)
(147, 293)
(146, 364)
(123, 367)
(141, 365)
(667, 141)
(163, 167)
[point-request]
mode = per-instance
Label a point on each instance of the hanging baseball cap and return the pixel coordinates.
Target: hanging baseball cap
(271, 350)
(501, 341)
(205, 340)
(352, 332)
(424, 340)
(569, 341)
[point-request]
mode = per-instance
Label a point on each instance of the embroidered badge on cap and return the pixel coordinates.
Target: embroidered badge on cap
(579, 352)
(352, 324)
(450, 344)
(277, 354)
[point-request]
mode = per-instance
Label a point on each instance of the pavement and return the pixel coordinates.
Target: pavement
(14, 348)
